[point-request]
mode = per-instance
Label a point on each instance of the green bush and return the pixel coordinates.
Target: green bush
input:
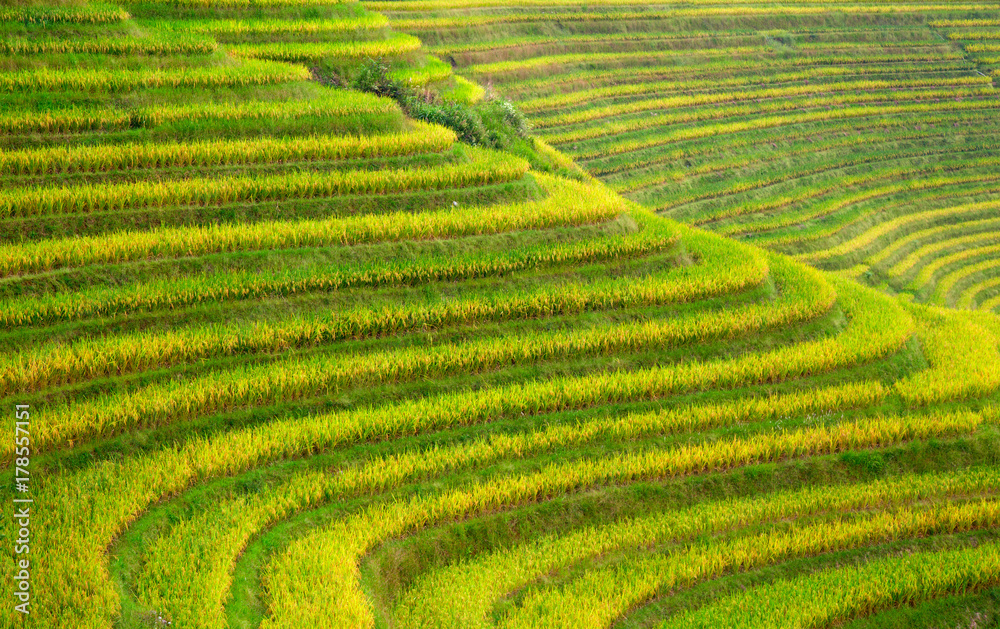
(494, 123)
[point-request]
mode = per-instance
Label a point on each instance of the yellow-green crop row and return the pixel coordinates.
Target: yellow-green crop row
(91, 13)
(903, 223)
(946, 161)
(430, 71)
(248, 4)
(482, 582)
(964, 22)
(869, 336)
(850, 136)
(839, 594)
(530, 40)
(595, 599)
(395, 45)
(465, 21)
(485, 167)
(591, 79)
(880, 6)
(630, 89)
(522, 66)
(934, 250)
(249, 72)
(127, 45)
(990, 305)
(547, 61)
(241, 285)
(966, 300)
(366, 22)
(947, 191)
(213, 539)
(73, 542)
(656, 178)
(422, 138)
(568, 203)
(465, 91)
(962, 354)
(913, 178)
(931, 269)
(853, 89)
(983, 48)
(841, 102)
(335, 103)
(627, 145)
(946, 284)
(126, 353)
(315, 580)
(974, 35)
(788, 219)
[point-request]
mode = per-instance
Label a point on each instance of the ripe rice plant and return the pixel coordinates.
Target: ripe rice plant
(177, 293)
(297, 379)
(642, 578)
(74, 119)
(183, 587)
(464, 91)
(480, 583)
(482, 169)
(250, 72)
(841, 593)
(963, 356)
(933, 251)
(271, 26)
(90, 13)
(422, 138)
(720, 113)
(558, 101)
(871, 90)
(903, 223)
(488, 19)
(764, 122)
(316, 578)
(974, 35)
(396, 45)
(118, 46)
(431, 71)
(568, 203)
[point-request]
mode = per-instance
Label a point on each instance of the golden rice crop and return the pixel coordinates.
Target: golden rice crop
(603, 594)
(840, 593)
(179, 292)
(75, 119)
(91, 13)
(422, 138)
(459, 21)
(250, 72)
(295, 379)
(395, 45)
(168, 584)
(484, 168)
(366, 22)
(840, 107)
(482, 581)
(873, 90)
(322, 588)
(568, 203)
(117, 46)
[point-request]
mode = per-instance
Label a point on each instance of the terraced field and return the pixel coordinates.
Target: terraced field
(310, 341)
(832, 133)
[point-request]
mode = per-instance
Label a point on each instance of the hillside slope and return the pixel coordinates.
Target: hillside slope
(859, 137)
(294, 358)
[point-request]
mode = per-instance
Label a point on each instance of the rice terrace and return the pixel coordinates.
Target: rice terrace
(397, 314)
